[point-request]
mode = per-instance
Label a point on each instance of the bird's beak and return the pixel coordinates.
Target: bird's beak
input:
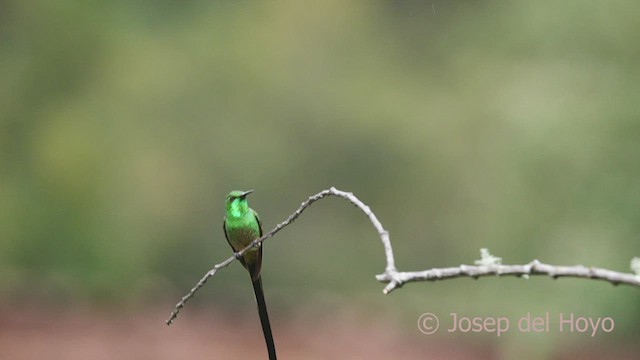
(247, 192)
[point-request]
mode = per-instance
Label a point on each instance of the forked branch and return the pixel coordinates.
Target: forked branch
(488, 265)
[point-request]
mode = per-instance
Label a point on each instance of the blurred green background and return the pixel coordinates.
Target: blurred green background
(501, 124)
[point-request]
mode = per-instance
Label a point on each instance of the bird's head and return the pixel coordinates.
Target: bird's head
(237, 202)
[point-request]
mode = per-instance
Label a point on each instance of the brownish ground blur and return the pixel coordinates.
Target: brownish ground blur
(90, 334)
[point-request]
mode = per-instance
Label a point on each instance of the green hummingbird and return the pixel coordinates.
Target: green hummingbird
(241, 226)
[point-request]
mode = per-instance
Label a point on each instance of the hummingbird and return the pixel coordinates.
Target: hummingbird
(241, 226)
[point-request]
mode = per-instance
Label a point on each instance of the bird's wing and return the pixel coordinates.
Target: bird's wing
(255, 268)
(226, 236)
(259, 222)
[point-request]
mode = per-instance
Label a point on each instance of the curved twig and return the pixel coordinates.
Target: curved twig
(489, 265)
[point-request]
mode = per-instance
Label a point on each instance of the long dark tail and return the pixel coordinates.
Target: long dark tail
(264, 317)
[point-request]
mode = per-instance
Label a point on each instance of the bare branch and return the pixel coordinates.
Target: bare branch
(488, 265)
(535, 267)
(384, 236)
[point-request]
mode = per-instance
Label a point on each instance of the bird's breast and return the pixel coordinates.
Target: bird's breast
(241, 236)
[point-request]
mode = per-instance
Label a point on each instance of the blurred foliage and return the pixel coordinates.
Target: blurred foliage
(508, 125)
